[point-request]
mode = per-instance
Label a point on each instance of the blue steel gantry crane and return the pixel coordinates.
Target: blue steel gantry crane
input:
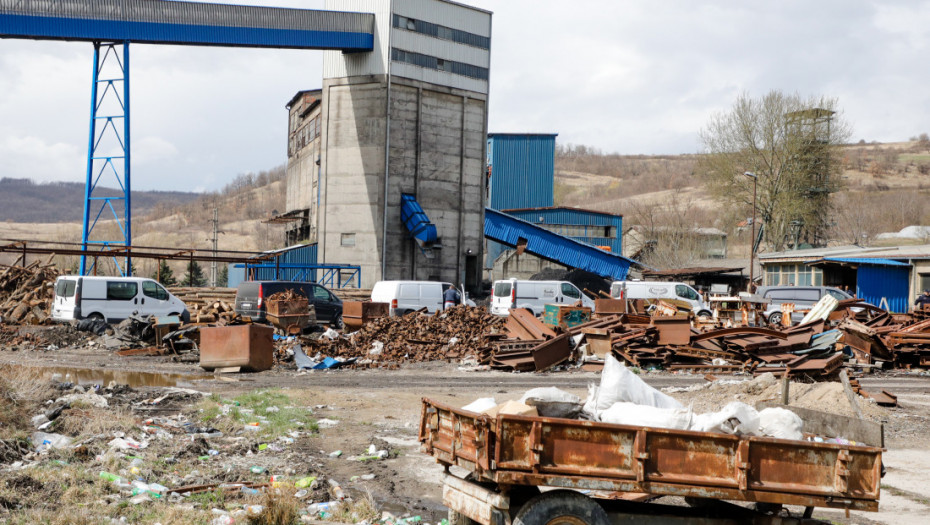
(113, 24)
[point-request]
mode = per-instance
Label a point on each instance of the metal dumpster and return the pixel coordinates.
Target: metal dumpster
(249, 347)
(356, 314)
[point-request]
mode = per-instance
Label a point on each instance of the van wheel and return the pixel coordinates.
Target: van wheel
(704, 313)
(775, 318)
(97, 317)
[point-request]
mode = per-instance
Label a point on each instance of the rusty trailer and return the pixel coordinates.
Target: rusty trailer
(508, 454)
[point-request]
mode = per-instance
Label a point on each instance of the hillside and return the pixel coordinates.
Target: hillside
(22, 200)
(885, 186)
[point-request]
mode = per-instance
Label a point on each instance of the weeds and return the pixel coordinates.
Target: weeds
(272, 411)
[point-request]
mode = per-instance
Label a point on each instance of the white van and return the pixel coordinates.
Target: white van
(410, 296)
(113, 299)
(660, 290)
(534, 295)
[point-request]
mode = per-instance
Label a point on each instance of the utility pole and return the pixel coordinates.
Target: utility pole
(752, 242)
(215, 235)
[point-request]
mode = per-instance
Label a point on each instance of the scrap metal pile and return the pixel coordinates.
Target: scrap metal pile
(26, 293)
(900, 339)
(450, 334)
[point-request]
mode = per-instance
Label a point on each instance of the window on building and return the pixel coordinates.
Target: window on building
(805, 275)
(772, 275)
(431, 62)
(924, 282)
(347, 239)
(442, 32)
(789, 274)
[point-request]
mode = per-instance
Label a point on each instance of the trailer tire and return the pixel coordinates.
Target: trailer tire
(561, 507)
(460, 519)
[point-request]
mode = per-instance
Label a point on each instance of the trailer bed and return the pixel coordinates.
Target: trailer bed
(510, 450)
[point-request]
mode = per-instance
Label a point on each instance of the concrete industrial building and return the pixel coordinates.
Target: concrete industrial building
(406, 121)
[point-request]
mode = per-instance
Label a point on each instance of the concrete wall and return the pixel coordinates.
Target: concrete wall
(436, 153)
(522, 266)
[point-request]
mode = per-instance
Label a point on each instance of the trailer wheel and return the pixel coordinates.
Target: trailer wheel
(561, 507)
(775, 318)
(460, 519)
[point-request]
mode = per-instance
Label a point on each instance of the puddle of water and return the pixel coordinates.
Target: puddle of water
(92, 376)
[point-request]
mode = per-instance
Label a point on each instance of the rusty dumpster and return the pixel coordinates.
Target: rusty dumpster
(249, 347)
(356, 314)
(510, 451)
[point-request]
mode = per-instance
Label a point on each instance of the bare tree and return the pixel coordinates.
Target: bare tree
(790, 143)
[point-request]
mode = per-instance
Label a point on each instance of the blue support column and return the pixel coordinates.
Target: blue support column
(108, 154)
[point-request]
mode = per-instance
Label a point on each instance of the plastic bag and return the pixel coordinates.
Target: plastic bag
(619, 384)
(553, 402)
(480, 405)
(780, 423)
(736, 418)
(647, 416)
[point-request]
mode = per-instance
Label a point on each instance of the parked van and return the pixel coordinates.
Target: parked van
(409, 296)
(534, 295)
(113, 299)
(660, 290)
(803, 298)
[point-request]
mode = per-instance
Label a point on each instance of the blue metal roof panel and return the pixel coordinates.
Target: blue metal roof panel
(416, 220)
(509, 230)
(865, 261)
(567, 216)
(167, 22)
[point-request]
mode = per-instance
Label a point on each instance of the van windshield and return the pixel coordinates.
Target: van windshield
(65, 288)
(502, 289)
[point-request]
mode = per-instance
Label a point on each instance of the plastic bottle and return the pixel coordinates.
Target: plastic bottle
(255, 469)
(317, 508)
(336, 489)
(110, 477)
(253, 510)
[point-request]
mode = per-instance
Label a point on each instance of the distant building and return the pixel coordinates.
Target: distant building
(303, 167)
(890, 277)
(706, 243)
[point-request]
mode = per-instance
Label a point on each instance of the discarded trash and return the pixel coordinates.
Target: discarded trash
(336, 489)
(307, 482)
(42, 441)
(335, 453)
(255, 469)
(326, 423)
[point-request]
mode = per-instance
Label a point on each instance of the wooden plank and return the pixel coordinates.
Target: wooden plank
(834, 425)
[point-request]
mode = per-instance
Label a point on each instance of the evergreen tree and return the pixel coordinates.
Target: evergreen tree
(222, 276)
(166, 277)
(194, 276)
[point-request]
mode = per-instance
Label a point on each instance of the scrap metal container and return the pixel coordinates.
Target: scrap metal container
(356, 314)
(249, 347)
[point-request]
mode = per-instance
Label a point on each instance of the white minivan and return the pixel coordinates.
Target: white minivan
(410, 296)
(660, 290)
(534, 295)
(113, 299)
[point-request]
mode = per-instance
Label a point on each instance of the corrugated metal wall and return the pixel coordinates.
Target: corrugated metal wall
(891, 283)
(337, 64)
(302, 255)
(522, 170)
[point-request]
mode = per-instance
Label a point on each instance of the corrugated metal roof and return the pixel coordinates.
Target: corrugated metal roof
(522, 170)
(874, 261)
(567, 212)
(510, 230)
(196, 23)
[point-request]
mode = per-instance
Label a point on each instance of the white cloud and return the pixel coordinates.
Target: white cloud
(636, 76)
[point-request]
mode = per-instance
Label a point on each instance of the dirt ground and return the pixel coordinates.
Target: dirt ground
(359, 408)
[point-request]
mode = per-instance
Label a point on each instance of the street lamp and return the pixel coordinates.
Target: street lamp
(752, 241)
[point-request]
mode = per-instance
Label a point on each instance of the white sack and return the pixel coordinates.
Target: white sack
(589, 410)
(735, 418)
(647, 416)
(619, 384)
(480, 405)
(553, 402)
(780, 423)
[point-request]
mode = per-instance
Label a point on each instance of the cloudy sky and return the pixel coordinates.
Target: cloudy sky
(623, 76)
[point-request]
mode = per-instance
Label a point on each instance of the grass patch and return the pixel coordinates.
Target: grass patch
(272, 409)
(21, 393)
(913, 496)
(360, 509)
